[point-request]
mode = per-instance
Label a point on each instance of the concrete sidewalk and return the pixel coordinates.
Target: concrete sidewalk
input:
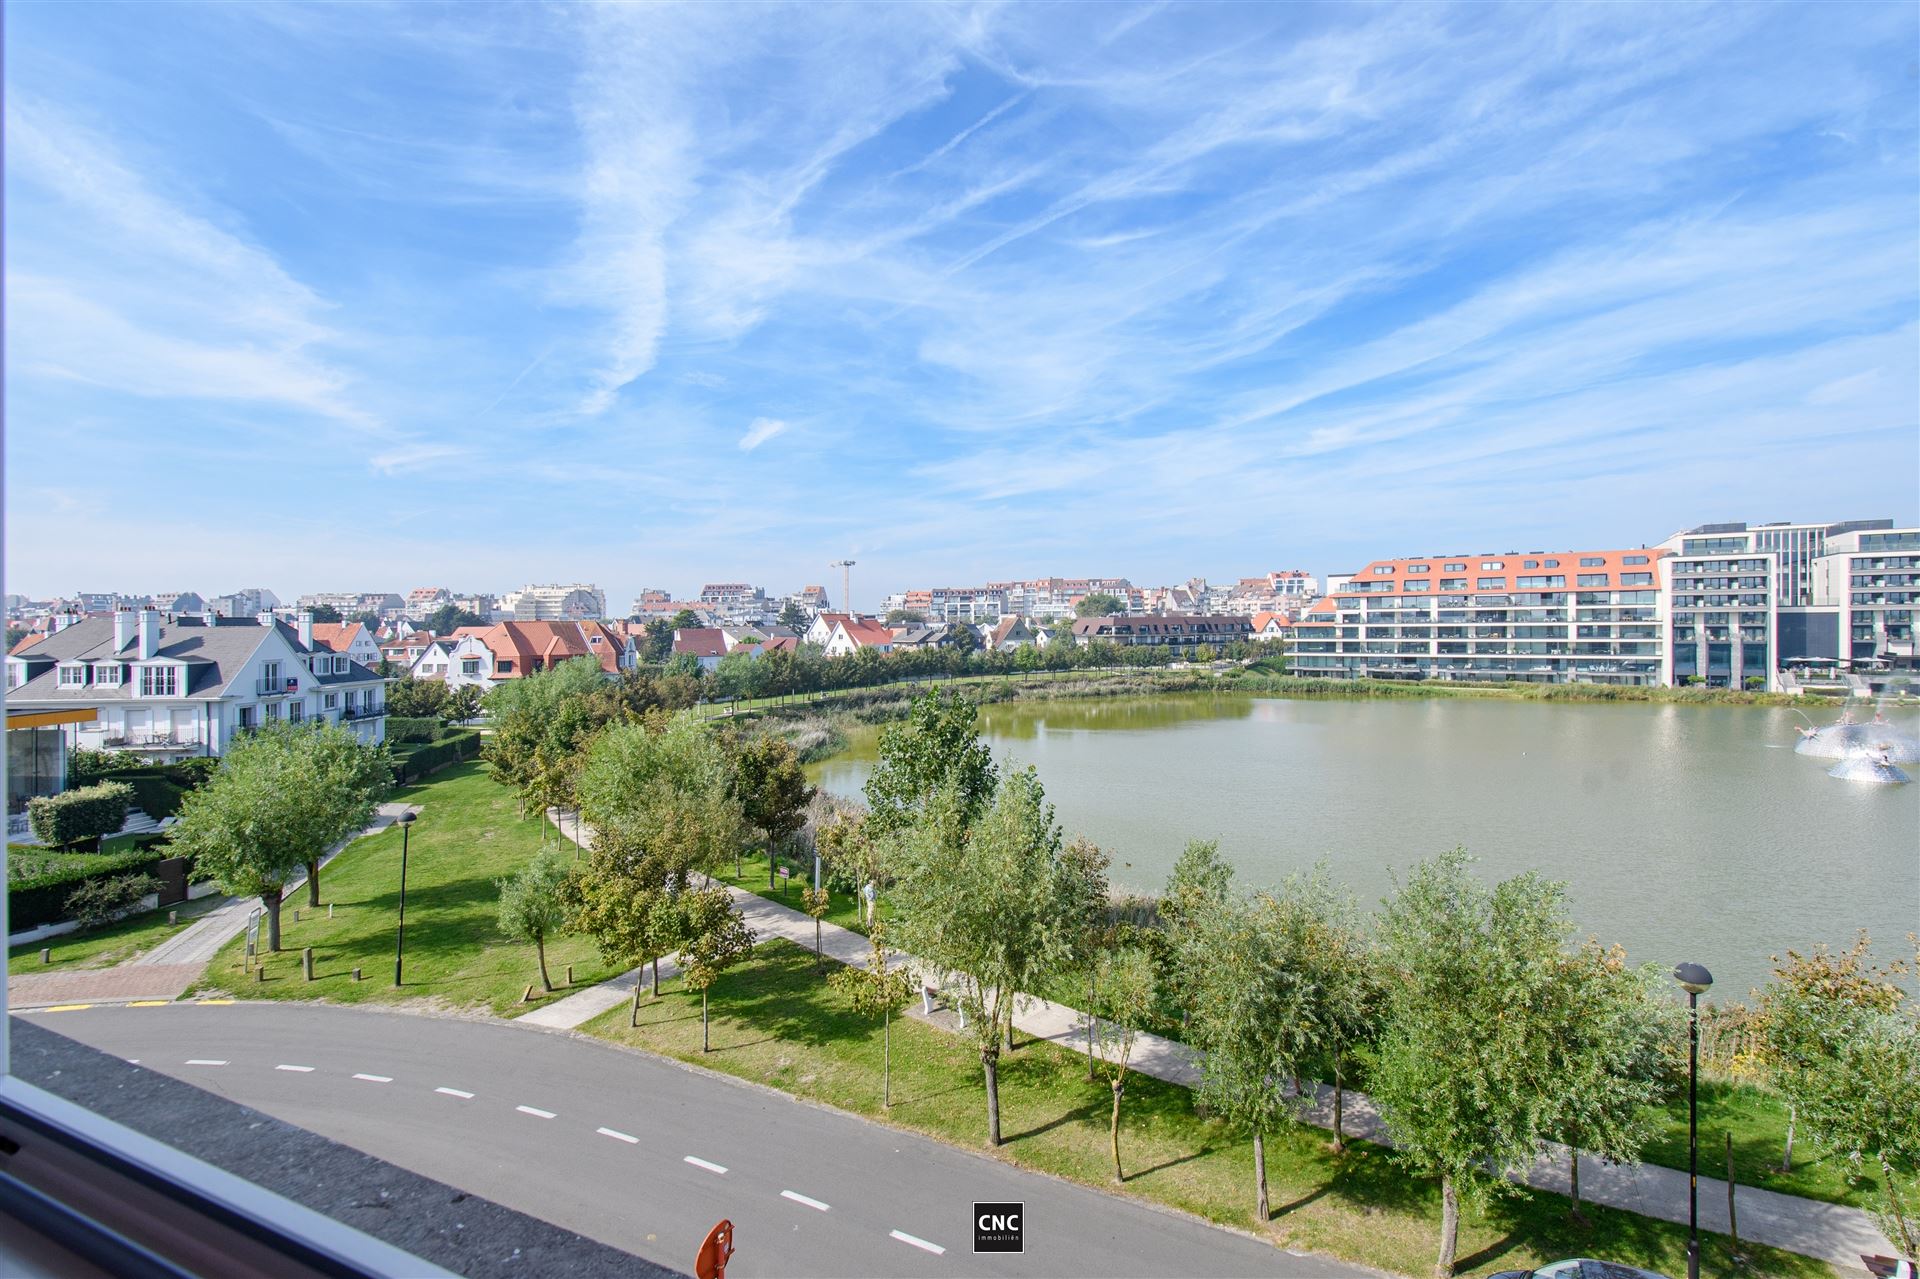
(1830, 1232)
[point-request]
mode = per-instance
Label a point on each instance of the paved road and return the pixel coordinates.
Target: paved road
(603, 1141)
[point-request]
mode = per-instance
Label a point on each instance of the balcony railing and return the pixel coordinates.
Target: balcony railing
(276, 687)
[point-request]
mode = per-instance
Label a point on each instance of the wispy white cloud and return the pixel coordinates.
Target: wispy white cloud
(762, 430)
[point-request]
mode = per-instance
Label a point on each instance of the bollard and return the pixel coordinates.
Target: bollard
(329, 910)
(356, 974)
(296, 916)
(526, 996)
(306, 961)
(633, 1017)
(569, 974)
(259, 973)
(173, 917)
(46, 955)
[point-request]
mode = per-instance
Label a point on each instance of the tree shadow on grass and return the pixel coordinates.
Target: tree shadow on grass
(1077, 1114)
(1175, 1162)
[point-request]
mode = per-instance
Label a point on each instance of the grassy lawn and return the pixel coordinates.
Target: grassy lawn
(469, 834)
(1758, 1121)
(844, 909)
(777, 1023)
(113, 944)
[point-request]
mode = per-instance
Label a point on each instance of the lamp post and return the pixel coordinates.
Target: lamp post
(1694, 980)
(400, 938)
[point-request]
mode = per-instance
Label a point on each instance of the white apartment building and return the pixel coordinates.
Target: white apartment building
(576, 602)
(1871, 578)
(186, 687)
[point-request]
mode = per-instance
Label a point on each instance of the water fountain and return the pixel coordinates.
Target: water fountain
(1843, 740)
(1869, 766)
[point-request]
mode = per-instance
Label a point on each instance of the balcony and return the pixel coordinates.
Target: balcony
(363, 712)
(154, 741)
(276, 687)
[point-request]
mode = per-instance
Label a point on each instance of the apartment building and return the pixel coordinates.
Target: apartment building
(1589, 616)
(173, 689)
(250, 601)
(736, 602)
(579, 601)
(1182, 632)
(1870, 578)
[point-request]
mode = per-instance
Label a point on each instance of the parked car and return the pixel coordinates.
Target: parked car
(1581, 1268)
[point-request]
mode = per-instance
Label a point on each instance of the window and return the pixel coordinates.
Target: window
(471, 666)
(74, 676)
(1634, 559)
(1491, 584)
(1416, 586)
(331, 700)
(1539, 581)
(1592, 579)
(1529, 563)
(1592, 561)
(1419, 568)
(107, 674)
(340, 665)
(296, 712)
(1492, 566)
(1453, 568)
(270, 673)
(1383, 569)
(159, 681)
(1636, 579)
(272, 710)
(1453, 583)
(247, 717)
(1552, 563)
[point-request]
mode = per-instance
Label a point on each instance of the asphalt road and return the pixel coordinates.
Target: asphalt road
(646, 1155)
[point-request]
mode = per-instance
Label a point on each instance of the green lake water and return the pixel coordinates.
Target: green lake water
(1682, 832)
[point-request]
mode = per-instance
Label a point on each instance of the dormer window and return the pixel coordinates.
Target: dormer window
(107, 675)
(159, 681)
(340, 665)
(73, 675)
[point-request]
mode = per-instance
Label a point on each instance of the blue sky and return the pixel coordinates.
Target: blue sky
(361, 296)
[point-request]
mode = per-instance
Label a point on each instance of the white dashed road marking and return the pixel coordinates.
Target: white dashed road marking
(802, 1199)
(618, 1135)
(204, 1061)
(456, 1092)
(917, 1242)
(304, 1070)
(701, 1163)
(376, 1079)
(535, 1111)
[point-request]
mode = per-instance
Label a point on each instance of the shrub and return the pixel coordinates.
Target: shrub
(450, 749)
(101, 901)
(85, 767)
(402, 728)
(39, 884)
(83, 815)
(155, 794)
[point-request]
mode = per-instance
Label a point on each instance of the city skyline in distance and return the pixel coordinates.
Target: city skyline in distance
(667, 296)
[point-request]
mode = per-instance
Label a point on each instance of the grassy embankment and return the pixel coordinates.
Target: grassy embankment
(469, 834)
(777, 1023)
(114, 944)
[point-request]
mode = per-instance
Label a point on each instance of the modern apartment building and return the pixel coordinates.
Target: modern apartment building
(1589, 616)
(1871, 578)
(186, 687)
(736, 602)
(580, 601)
(250, 601)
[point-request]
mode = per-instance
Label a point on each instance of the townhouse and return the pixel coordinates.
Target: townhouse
(1182, 633)
(484, 656)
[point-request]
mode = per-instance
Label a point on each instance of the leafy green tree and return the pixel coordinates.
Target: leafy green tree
(412, 698)
(794, 618)
(1099, 604)
(668, 793)
(463, 704)
(684, 620)
(984, 900)
(936, 746)
(1124, 978)
(876, 991)
(714, 938)
(533, 903)
(1201, 883)
(961, 639)
(658, 645)
(281, 798)
(816, 902)
(685, 666)
(324, 613)
(1251, 1013)
(15, 634)
(539, 723)
(1471, 1001)
(903, 617)
(449, 618)
(773, 792)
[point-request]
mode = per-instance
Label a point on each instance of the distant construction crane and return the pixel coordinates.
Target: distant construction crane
(846, 583)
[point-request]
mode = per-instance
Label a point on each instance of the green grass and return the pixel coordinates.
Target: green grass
(116, 943)
(468, 835)
(776, 1022)
(1757, 1119)
(843, 909)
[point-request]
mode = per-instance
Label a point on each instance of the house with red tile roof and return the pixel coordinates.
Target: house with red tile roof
(1272, 625)
(706, 643)
(351, 638)
(486, 655)
(850, 634)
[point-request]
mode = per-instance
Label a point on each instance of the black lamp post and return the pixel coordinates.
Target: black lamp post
(400, 938)
(1694, 980)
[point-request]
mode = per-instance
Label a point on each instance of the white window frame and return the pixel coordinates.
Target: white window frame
(107, 675)
(153, 685)
(73, 675)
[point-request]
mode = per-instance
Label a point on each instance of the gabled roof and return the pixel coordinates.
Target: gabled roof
(548, 644)
(338, 636)
(701, 641)
(27, 641)
(213, 655)
(1260, 620)
(864, 632)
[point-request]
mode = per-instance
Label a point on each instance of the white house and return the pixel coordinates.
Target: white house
(186, 687)
(351, 638)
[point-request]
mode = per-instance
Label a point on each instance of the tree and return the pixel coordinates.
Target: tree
(1614, 1059)
(412, 698)
(449, 618)
(984, 900)
(1201, 883)
(463, 705)
(714, 938)
(1842, 1045)
(773, 792)
(659, 642)
(934, 747)
(324, 613)
(794, 618)
(875, 991)
(685, 666)
(533, 904)
(961, 639)
(281, 798)
(15, 634)
(1099, 604)
(899, 617)
(1250, 1020)
(816, 902)
(1125, 981)
(1471, 1001)
(539, 723)
(684, 620)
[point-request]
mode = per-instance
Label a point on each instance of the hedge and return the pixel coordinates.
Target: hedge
(155, 795)
(437, 755)
(78, 815)
(401, 728)
(42, 899)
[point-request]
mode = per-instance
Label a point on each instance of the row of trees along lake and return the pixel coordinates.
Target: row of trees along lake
(1478, 1021)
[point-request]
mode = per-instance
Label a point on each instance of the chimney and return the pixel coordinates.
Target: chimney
(264, 617)
(149, 633)
(123, 624)
(306, 629)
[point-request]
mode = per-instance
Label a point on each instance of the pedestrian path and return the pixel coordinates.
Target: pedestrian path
(1830, 1232)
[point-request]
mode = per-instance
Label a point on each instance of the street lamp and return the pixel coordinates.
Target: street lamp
(400, 938)
(1694, 980)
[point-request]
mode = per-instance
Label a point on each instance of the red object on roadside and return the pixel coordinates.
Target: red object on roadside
(712, 1261)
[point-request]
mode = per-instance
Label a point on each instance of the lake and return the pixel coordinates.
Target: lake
(1682, 832)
